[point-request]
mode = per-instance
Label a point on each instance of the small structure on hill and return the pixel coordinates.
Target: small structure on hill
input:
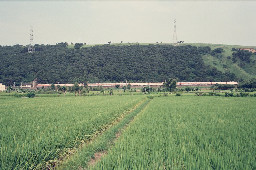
(249, 49)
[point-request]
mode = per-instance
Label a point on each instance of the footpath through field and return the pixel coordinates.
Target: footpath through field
(91, 152)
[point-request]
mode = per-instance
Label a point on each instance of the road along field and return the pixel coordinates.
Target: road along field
(34, 131)
(187, 132)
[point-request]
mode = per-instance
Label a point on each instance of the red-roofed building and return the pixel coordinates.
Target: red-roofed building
(249, 49)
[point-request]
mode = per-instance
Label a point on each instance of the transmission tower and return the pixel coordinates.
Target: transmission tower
(175, 38)
(31, 47)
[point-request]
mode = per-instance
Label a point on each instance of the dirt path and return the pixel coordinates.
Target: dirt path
(99, 155)
(56, 164)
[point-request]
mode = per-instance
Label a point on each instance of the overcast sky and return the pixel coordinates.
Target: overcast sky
(97, 22)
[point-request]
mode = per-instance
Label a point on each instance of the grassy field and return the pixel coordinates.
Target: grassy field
(188, 132)
(130, 131)
(33, 131)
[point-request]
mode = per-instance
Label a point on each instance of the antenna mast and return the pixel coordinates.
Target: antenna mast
(175, 38)
(31, 48)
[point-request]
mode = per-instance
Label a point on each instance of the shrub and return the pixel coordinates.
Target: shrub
(212, 94)
(217, 94)
(19, 95)
(178, 94)
(31, 94)
(242, 94)
(229, 94)
(199, 93)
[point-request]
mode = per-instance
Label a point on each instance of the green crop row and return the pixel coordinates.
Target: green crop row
(34, 131)
(188, 133)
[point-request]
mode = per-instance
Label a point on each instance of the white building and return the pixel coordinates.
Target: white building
(2, 87)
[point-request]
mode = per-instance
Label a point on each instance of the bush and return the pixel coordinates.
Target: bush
(31, 94)
(244, 94)
(19, 95)
(224, 86)
(178, 94)
(249, 89)
(229, 94)
(199, 93)
(217, 94)
(188, 89)
(212, 94)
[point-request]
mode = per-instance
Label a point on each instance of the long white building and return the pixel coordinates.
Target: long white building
(138, 85)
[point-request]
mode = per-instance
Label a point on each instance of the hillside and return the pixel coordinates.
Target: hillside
(243, 70)
(64, 63)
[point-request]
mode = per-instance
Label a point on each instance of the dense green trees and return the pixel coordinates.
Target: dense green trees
(78, 45)
(249, 84)
(242, 55)
(217, 52)
(170, 84)
(106, 63)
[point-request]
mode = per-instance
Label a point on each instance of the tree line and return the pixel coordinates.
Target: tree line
(107, 63)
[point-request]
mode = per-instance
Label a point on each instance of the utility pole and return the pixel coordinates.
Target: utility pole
(31, 47)
(175, 38)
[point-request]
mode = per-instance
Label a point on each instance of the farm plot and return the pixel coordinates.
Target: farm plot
(33, 131)
(188, 132)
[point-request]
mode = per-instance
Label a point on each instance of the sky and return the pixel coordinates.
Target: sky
(98, 22)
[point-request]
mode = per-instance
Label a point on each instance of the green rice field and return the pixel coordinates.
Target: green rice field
(33, 131)
(188, 133)
(129, 132)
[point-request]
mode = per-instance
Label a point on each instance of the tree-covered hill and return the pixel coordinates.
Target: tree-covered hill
(115, 63)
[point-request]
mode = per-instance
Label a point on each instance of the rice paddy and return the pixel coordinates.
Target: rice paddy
(34, 131)
(174, 132)
(188, 133)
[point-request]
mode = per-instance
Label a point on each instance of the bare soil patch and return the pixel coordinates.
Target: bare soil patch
(97, 156)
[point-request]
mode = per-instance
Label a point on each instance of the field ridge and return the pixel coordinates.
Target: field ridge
(107, 138)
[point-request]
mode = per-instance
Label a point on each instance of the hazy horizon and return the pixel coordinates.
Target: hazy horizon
(97, 22)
